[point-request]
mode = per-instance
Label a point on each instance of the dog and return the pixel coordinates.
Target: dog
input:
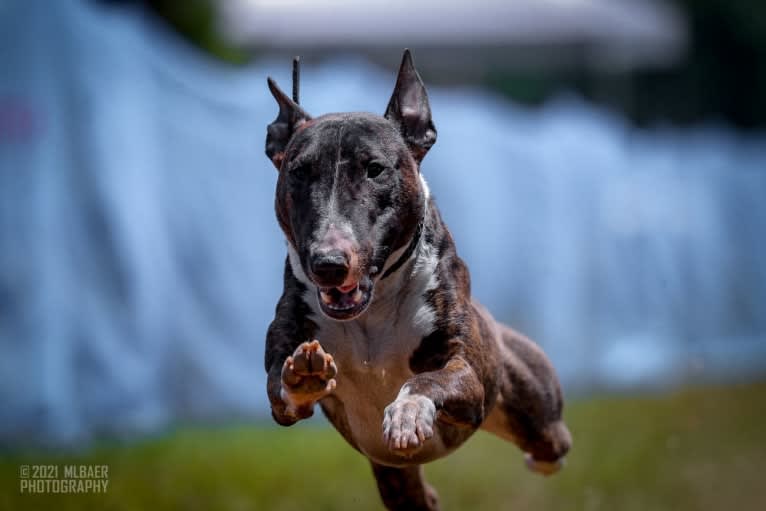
(376, 322)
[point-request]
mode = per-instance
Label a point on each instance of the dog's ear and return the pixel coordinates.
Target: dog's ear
(279, 132)
(409, 109)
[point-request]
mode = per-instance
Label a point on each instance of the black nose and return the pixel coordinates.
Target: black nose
(330, 269)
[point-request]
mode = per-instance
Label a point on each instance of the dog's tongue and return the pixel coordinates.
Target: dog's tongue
(348, 288)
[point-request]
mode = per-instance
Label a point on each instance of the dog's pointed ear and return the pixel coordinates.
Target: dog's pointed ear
(409, 109)
(279, 132)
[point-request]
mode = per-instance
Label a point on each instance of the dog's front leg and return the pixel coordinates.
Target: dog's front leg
(304, 378)
(300, 373)
(454, 393)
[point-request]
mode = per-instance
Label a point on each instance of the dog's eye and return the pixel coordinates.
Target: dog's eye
(374, 170)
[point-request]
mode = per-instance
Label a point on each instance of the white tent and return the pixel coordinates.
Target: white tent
(622, 33)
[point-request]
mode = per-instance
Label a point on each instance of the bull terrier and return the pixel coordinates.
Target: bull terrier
(376, 322)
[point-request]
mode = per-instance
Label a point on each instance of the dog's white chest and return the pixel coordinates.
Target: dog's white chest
(373, 361)
(372, 356)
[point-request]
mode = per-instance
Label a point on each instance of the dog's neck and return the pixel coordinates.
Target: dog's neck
(411, 268)
(408, 251)
(397, 259)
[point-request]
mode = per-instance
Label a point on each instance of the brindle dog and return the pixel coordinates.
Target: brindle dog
(409, 364)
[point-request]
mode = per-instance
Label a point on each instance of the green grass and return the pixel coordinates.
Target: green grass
(699, 449)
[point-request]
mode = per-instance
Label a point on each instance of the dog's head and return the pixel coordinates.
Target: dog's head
(349, 194)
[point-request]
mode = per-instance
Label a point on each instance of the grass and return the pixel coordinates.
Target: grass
(693, 450)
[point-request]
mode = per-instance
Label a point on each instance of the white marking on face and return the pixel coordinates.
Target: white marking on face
(329, 215)
(310, 294)
(332, 201)
(295, 266)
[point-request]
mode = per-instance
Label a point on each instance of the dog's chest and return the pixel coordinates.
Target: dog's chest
(373, 359)
(373, 352)
(368, 353)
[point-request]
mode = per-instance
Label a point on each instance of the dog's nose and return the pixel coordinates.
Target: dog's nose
(330, 269)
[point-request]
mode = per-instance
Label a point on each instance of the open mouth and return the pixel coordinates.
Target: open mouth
(345, 302)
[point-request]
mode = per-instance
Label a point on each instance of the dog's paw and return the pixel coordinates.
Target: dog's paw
(550, 452)
(545, 468)
(407, 423)
(308, 375)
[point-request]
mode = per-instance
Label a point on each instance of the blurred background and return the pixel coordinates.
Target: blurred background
(601, 164)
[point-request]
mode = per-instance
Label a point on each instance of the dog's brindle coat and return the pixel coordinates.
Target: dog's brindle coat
(409, 364)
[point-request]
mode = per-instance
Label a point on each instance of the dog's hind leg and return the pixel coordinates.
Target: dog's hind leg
(405, 488)
(529, 404)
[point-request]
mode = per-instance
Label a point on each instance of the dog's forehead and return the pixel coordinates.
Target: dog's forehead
(353, 131)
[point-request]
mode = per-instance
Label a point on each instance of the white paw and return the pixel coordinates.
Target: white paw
(408, 422)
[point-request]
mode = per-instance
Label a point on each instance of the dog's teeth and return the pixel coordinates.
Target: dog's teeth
(326, 298)
(357, 296)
